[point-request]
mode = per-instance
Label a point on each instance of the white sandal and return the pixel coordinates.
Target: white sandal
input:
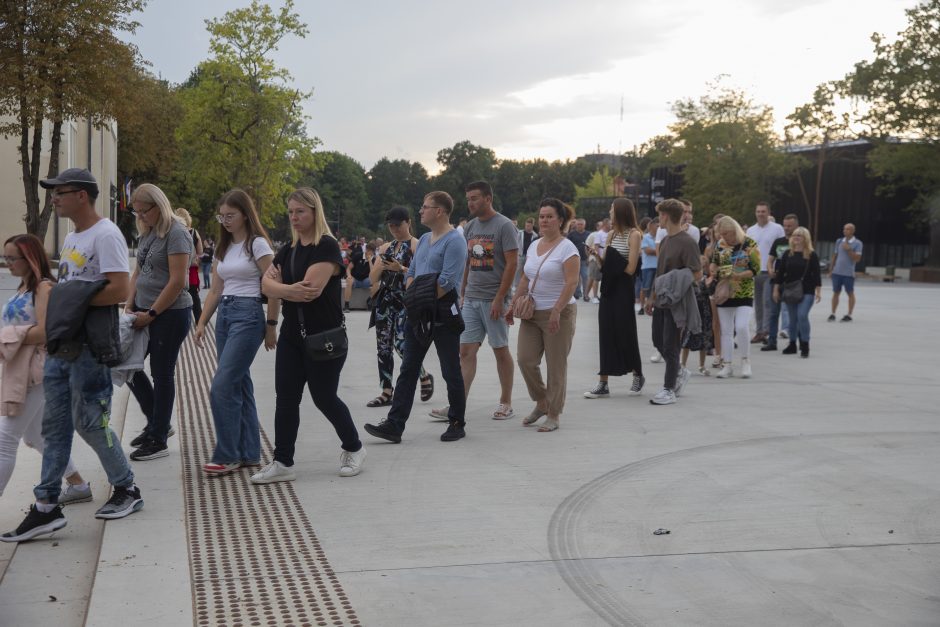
(503, 412)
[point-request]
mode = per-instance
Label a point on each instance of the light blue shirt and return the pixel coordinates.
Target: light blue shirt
(447, 256)
(845, 265)
(648, 261)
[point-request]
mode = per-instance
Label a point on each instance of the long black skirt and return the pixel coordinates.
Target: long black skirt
(619, 348)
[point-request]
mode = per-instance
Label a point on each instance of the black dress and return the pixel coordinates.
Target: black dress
(616, 320)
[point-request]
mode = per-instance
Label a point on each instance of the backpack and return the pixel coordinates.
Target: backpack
(360, 265)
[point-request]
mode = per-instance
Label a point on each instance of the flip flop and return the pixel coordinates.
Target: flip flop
(550, 424)
(503, 412)
(533, 417)
(427, 387)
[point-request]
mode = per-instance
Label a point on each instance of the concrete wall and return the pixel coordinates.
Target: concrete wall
(83, 146)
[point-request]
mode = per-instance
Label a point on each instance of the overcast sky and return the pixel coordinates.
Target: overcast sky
(530, 78)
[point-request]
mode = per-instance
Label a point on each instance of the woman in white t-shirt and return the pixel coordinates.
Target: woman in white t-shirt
(243, 255)
(556, 262)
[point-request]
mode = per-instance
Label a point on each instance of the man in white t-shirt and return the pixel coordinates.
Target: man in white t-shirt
(96, 250)
(765, 232)
(595, 244)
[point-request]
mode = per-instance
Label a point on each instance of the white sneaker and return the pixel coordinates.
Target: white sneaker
(745, 368)
(682, 379)
(656, 358)
(274, 472)
(595, 300)
(664, 397)
(350, 464)
(726, 370)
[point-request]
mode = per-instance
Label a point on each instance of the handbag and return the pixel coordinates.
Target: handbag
(793, 290)
(523, 307)
(722, 291)
(325, 345)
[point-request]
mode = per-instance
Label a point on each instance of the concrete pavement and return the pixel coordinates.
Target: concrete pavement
(809, 494)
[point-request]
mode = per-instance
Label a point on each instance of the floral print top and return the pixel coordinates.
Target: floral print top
(738, 258)
(19, 310)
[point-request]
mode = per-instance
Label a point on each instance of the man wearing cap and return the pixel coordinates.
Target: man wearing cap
(94, 251)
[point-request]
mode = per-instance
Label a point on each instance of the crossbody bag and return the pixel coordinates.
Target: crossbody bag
(325, 345)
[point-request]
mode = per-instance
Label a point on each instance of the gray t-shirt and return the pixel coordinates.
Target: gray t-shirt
(845, 265)
(486, 245)
(153, 266)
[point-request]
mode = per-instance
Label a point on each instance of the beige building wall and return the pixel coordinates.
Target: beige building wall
(83, 146)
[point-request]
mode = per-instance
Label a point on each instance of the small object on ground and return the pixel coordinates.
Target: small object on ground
(890, 530)
(661, 532)
(52, 599)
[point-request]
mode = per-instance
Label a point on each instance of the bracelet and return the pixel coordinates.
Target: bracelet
(272, 323)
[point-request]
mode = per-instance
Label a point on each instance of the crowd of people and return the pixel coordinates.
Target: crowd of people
(64, 342)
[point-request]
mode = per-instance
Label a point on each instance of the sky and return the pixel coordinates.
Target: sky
(532, 79)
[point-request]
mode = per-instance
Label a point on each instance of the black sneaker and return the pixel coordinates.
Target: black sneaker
(769, 347)
(598, 391)
(151, 449)
(385, 430)
(454, 431)
(36, 524)
(346, 308)
(143, 437)
(831, 318)
(846, 318)
(123, 502)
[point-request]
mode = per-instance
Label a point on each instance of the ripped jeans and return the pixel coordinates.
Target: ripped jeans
(78, 399)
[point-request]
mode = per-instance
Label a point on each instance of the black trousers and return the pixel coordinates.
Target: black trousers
(666, 341)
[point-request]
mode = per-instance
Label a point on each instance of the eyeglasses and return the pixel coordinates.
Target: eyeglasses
(144, 212)
(225, 219)
(63, 193)
(10, 259)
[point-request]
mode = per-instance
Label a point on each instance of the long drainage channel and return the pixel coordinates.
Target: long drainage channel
(254, 557)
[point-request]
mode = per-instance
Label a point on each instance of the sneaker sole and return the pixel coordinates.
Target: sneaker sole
(135, 507)
(351, 473)
(453, 438)
(593, 395)
(144, 458)
(277, 479)
(438, 417)
(382, 435)
(652, 402)
(83, 499)
(35, 532)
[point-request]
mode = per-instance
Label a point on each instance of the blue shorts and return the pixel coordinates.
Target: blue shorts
(479, 325)
(646, 279)
(366, 282)
(839, 281)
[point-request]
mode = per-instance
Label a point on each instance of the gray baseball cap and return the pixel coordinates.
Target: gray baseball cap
(73, 176)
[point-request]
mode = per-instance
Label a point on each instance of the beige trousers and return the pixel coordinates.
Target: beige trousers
(534, 341)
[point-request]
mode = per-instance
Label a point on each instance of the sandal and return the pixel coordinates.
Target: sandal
(550, 424)
(533, 417)
(427, 387)
(382, 400)
(503, 412)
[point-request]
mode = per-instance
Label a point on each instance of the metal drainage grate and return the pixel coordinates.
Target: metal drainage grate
(254, 558)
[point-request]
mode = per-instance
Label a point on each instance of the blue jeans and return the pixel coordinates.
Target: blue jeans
(775, 324)
(78, 398)
(167, 332)
(206, 273)
(239, 331)
(579, 291)
(799, 318)
(447, 342)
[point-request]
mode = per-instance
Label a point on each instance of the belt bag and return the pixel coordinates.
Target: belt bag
(325, 345)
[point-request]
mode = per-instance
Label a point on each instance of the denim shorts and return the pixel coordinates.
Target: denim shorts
(839, 281)
(479, 325)
(646, 279)
(366, 282)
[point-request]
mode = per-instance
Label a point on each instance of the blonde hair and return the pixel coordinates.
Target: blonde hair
(309, 198)
(184, 217)
(152, 194)
(727, 223)
(803, 232)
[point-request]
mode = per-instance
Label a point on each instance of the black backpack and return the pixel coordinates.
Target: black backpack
(360, 265)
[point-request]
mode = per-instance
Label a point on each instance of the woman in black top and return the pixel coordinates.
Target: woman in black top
(307, 275)
(800, 263)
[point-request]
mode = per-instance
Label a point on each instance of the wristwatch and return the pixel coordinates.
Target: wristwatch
(272, 323)
(152, 313)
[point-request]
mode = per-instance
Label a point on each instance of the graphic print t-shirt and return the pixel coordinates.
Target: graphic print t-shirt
(486, 245)
(90, 254)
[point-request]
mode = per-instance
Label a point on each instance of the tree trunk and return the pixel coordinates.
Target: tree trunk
(820, 162)
(29, 159)
(46, 214)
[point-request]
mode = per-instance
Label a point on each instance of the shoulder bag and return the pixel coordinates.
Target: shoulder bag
(523, 307)
(793, 290)
(325, 345)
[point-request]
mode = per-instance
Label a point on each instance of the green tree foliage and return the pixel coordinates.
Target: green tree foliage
(461, 164)
(397, 182)
(59, 62)
(242, 124)
(729, 151)
(341, 183)
(900, 87)
(519, 186)
(601, 185)
(148, 116)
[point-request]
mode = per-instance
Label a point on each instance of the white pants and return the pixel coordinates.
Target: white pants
(27, 427)
(735, 320)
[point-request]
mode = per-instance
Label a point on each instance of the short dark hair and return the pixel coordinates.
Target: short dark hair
(763, 203)
(481, 186)
(563, 211)
(442, 199)
(530, 220)
(686, 202)
(792, 216)
(645, 222)
(672, 208)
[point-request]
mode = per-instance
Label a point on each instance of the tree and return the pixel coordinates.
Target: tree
(59, 63)
(461, 164)
(148, 116)
(397, 182)
(601, 185)
(242, 124)
(817, 122)
(729, 151)
(341, 183)
(901, 88)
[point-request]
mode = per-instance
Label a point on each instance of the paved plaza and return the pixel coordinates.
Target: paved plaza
(807, 495)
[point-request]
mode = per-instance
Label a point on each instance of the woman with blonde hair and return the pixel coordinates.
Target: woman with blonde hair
(184, 216)
(161, 303)
(800, 263)
(735, 258)
(243, 255)
(306, 276)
